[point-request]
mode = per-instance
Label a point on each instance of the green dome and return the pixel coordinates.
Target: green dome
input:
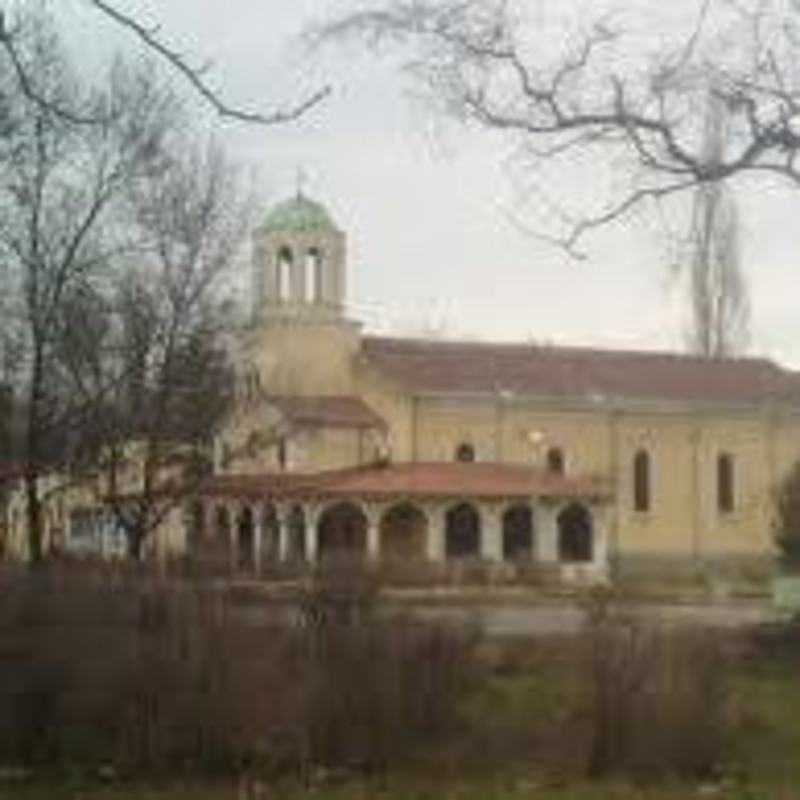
(299, 215)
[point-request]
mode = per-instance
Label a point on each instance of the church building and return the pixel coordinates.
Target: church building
(577, 461)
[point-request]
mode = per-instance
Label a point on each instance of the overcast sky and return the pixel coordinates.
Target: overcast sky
(425, 206)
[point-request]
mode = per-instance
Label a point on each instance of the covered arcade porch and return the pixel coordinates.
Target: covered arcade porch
(408, 513)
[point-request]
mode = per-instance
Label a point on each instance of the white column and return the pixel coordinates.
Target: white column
(373, 515)
(233, 535)
(546, 532)
(282, 518)
(210, 522)
(491, 533)
(435, 544)
(258, 535)
(600, 539)
(312, 518)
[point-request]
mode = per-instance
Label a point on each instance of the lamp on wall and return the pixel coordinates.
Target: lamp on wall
(536, 441)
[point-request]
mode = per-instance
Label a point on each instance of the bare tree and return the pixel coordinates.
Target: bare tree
(115, 239)
(168, 361)
(598, 92)
(717, 288)
(60, 188)
(196, 76)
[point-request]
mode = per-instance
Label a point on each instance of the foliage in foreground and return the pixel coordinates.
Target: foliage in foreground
(163, 680)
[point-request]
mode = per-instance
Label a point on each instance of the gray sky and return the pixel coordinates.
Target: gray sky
(425, 206)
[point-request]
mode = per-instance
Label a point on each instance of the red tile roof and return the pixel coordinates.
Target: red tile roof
(419, 479)
(571, 372)
(327, 411)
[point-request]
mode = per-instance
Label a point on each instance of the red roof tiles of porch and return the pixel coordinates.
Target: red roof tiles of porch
(440, 479)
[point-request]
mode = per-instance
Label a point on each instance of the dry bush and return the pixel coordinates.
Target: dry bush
(658, 698)
(379, 688)
(155, 675)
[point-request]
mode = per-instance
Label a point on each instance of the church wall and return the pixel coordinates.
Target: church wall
(328, 448)
(683, 522)
(306, 358)
(393, 405)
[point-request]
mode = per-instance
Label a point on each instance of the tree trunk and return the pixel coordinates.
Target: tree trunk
(33, 460)
(34, 511)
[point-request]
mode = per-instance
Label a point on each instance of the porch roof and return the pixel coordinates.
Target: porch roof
(412, 479)
(327, 411)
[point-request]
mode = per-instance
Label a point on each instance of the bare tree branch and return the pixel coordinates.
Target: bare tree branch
(27, 85)
(195, 78)
(194, 75)
(486, 64)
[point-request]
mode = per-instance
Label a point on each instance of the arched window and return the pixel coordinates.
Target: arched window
(575, 534)
(641, 481)
(465, 452)
(313, 276)
(462, 532)
(283, 454)
(318, 287)
(312, 256)
(555, 460)
(283, 274)
(725, 483)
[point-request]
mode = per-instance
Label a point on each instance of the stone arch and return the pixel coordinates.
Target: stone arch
(222, 526)
(284, 265)
(342, 531)
(194, 521)
(404, 532)
(313, 275)
(575, 534)
(462, 531)
(219, 537)
(518, 533)
(270, 532)
(245, 540)
(296, 533)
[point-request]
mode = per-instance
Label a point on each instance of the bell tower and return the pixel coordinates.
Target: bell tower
(299, 263)
(303, 341)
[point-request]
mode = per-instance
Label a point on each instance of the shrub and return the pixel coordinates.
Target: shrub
(787, 525)
(155, 675)
(658, 696)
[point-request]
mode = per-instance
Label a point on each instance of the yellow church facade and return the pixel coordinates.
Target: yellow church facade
(582, 461)
(572, 462)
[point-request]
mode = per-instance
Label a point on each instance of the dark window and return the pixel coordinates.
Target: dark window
(283, 274)
(555, 460)
(314, 276)
(518, 534)
(575, 535)
(725, 483)
(465, 452)
(641, 481)
(462, 532)
(282, 457)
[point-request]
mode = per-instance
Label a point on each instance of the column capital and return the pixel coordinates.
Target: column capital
(492, 509)
(373, 511)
